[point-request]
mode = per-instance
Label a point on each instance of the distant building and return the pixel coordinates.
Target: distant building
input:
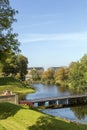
(39, 69)
(54, 68)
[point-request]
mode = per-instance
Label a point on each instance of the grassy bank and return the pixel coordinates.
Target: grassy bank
(13, 117)
(14, 85)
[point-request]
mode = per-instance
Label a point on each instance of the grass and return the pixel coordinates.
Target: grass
(16, 117)
(2, 128)
(14, 85)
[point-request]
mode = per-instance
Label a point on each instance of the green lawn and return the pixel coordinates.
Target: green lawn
(16, 117)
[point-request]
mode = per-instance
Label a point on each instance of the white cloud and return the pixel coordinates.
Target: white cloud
(39, 24)
(26, 38)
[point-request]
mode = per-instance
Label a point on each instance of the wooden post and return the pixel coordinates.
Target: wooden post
(16, 98)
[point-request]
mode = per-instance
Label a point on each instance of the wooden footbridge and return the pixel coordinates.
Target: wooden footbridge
(58, 101)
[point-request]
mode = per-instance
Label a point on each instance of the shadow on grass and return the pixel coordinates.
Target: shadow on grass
(6, 80)
(11, 81)
(8, 109)
(2, 128)
(43, 123)
(51, 123)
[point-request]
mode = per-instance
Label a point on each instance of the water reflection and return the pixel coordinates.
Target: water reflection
(78, 114)
(75, 113)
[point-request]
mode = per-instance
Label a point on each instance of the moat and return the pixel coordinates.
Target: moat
(78, 113)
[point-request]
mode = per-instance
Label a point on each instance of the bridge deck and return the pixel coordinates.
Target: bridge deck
(56, 98)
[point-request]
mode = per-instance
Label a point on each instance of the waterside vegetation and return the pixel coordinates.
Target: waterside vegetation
(74, 76)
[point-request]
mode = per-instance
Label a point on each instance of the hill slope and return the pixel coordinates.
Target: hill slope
(14, 117)
(14, 85)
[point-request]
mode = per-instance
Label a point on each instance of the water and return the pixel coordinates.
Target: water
(69, 113)
(43, 91)
(78, 114)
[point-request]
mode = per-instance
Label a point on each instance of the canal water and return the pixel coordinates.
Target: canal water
(78, 114)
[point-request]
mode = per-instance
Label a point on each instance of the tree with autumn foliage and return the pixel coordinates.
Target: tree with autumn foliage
(61, 76)
(48, 76)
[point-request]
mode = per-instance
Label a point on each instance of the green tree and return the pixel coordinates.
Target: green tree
(35, 74)
(61, 76)
(71, 65)
(75, 75)
(15, 65)
(22, 62)
(8, 40)
(83, 68)
(48, 76)
(10, 66)
(78, 73)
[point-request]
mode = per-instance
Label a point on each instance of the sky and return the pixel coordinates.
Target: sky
(52, 33)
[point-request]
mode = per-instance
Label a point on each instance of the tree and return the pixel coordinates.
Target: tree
(75, 75)
(15, 65)
(61, 76)
(35, 74)
(83, 62)
(78, 73)
(8, 40)
(22, 62)
(10, 66)
(71, 65)
(48, 76)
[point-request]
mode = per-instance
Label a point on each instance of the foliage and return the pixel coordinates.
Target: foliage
(74, 76)
(78, 73)
(9, 46)
(83, 63)
(35, 75)
(8, 40)
(15, 65)
(48, 76)
(61, 75)
(22, 62)
(10, 66)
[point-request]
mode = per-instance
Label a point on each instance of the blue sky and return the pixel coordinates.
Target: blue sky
(51, 32)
